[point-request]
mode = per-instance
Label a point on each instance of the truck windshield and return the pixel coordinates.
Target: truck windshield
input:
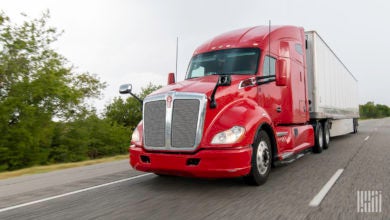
(243, 61)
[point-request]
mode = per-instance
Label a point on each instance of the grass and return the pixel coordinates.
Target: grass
(61, 166)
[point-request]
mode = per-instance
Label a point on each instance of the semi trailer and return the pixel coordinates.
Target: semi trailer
(252, 98)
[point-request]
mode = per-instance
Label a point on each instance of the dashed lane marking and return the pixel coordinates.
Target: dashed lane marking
(316, 201)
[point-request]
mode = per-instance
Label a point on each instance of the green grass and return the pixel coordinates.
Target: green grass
(61, 166)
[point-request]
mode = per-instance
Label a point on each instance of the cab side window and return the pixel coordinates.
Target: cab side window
(269, 66)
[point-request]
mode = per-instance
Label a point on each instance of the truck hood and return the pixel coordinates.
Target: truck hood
(203, 85)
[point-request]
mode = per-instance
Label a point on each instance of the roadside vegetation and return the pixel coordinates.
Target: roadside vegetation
(44, 118)
(372, 110)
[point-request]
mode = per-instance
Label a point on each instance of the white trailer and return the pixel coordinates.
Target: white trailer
(332, 89)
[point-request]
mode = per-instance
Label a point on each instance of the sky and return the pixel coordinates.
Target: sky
(134, 41)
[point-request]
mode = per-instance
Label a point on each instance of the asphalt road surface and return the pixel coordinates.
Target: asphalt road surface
(362, 159)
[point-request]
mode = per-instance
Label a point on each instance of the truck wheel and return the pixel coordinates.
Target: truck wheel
(319, 138)
(261, 160)
(326, 134)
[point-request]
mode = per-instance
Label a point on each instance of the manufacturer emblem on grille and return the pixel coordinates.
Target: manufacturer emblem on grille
(169, 101)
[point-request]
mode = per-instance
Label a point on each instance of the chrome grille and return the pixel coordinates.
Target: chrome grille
(173, 121)
(154, 123)
(184, 122)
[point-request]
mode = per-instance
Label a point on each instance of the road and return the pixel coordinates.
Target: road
(364, 158)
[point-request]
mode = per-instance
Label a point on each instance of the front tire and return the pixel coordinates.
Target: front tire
(261, 160)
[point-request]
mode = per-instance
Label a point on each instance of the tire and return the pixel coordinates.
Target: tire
(319, 138)
(326, 133)
(261, 160)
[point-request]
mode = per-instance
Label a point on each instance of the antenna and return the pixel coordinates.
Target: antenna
(177, 54)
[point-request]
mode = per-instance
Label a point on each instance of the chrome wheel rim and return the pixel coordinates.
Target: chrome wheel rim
(262, 157)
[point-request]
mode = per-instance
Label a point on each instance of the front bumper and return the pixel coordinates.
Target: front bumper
(205, 163)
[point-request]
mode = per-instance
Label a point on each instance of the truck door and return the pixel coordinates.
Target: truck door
(270, 96)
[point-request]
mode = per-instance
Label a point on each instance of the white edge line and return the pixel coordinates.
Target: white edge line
(325, 189)
(366, 138)
(71, 193)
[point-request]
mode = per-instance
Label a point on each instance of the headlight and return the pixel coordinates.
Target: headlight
(229, 136)
(135, 136)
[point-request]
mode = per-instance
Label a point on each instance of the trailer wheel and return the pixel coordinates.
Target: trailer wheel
(319, 138)
(326, 134)
(261, 160)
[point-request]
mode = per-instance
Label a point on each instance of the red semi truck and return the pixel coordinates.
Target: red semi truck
(252, 98)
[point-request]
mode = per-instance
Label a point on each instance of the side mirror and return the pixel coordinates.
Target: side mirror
(281, 75)
(125, 89)
(171, 78)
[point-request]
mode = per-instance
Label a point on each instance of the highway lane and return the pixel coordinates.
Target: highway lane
(286, 195)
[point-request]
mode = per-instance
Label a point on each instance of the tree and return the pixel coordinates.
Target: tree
(382, 111)
(37, 84)
(367, 110)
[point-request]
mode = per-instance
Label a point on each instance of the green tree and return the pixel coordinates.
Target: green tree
(382, 111)
(37, 84)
